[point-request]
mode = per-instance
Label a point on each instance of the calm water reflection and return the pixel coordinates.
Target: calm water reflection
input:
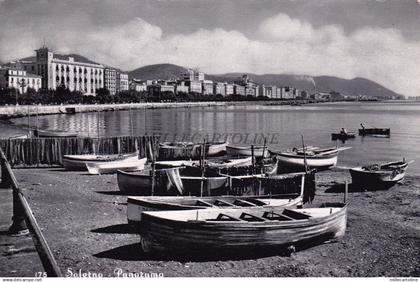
(287, 123)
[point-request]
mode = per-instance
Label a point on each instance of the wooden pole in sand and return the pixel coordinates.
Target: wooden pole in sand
(153, 168)
(304, 155)
(203, 157)
(346, 189)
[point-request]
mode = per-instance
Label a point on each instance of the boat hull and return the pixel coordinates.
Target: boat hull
(137, 205)
(298, 161)
(377, 179)
(246, 151)
(162, 232)
(342, 136)
(216, 149)
(78, 162)
(135, 184)
(128, 164)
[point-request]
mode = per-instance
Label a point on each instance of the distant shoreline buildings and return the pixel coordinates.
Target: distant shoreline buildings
(49, 70)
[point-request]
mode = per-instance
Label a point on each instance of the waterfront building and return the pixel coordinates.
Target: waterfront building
(71, 71)
(110, 80)
(207, 87)
(137, 85)
(239, 90)
(229, 89)
(271, 91)
(180, 87)
(158, 88)
(219, 88)
(122, 81)
(261, 91)
(20, 80)
(194, 86)
(192, 75)
(251, 88)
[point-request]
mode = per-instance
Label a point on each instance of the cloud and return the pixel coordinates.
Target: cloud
(281, 44)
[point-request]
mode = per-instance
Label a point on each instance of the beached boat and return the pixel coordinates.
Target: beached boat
(379, 176)
(315, 158)
(247, 151)
(216, 148)
(140, 182)
(190, 231)
(380, 132)
(137, 205)
(127, 164)
(343, 136)
(52, 134)
(229, 162)
(78, 162)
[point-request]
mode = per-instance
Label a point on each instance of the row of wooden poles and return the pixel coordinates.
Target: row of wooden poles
(49, 151)
(24, 220)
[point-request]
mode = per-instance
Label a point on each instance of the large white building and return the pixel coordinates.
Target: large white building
(76, 74)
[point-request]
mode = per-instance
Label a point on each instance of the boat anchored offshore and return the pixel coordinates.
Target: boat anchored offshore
(190, 231)
(376, 132)
(379, 176)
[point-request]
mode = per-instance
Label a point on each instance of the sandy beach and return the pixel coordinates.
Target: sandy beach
(83, 218)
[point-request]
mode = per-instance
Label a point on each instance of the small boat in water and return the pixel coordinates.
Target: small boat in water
(343, 136)
(379, 176)
(127, 164)
(53, 134)
(247, 151)
(190, 231)
(315, 158)
(78, 162)
(376, 132)
(137, 205)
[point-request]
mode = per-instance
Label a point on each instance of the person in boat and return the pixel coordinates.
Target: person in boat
(343, 131)
(363, 127)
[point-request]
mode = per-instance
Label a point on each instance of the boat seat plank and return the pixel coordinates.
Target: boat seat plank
(256, 202)
(202, 203)
(276, 216)
(224, 217)
(251, 217)
(244, 203)
(295, 215)
(223, 203)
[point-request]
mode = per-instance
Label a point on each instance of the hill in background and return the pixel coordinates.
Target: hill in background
(353, 87)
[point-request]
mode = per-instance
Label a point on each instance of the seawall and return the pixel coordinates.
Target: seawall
(7, 112)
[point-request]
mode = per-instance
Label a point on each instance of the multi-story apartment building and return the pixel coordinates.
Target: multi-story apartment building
(181, 87)
(73, 72)
(20, 80)
(63, 70)
(194, 86)
(229, 89)
(122, 81)
(239, 90)
(207, 87)
(219, 88)
(137, 85)
(110, 80)
(192, 75)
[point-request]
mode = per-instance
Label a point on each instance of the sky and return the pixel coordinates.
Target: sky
(375, 39)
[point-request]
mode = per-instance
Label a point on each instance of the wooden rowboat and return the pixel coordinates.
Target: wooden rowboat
(379, 176)
(317, 158)
(216, 148)
(137, 205)
(127, 164)
(229, 162)
(190, 231)
(246, 151)
(78, 162)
